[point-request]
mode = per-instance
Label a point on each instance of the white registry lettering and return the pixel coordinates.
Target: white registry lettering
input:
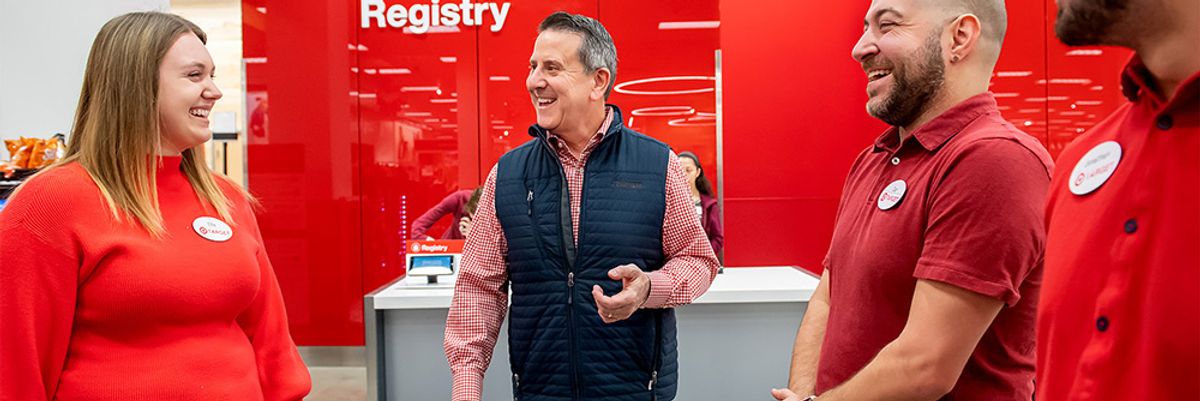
(420, 17)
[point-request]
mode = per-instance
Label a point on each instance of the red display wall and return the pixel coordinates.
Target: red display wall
(795, 118)
(354, 131)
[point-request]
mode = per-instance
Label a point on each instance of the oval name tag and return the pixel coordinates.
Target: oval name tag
(892, 195)
(1095, 168)
(212, 229)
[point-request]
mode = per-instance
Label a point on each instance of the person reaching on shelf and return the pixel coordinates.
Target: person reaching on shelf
(461, 204)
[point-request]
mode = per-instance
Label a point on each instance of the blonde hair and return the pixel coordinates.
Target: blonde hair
(116, 136)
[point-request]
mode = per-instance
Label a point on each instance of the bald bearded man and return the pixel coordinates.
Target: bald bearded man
(931, 280)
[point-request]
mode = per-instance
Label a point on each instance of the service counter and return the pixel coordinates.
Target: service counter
(735, 341)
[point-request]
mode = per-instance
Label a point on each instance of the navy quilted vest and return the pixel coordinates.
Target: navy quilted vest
(559, 348)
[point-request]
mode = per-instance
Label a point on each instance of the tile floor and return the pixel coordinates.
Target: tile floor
(338, 384)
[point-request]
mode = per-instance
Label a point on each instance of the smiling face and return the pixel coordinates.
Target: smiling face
(559, 85)
(186, 94)
(901, 52)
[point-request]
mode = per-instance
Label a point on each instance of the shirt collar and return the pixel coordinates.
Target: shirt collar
(1137, 83)
(940, 129)
(558, 142)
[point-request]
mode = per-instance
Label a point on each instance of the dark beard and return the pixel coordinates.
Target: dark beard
(1089, 22)
(910, 96)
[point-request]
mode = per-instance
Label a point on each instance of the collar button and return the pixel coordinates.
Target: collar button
(1164, 122)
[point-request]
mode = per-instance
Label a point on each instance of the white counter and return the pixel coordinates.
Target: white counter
(405, 324)
(735, 285)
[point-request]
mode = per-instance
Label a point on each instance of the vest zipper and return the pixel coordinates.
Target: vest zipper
(569, 250)
(516, 387)
(529, 202)
(656, 360)
(571, 328)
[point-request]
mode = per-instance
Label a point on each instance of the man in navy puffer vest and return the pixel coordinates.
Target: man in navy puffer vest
(592, 226)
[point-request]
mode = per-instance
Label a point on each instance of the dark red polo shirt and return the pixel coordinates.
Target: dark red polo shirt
(1120, 309)
(971, 216)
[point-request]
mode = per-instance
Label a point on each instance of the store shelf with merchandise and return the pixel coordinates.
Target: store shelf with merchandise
(27, 156)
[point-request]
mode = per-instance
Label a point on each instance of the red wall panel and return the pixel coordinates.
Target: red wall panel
(794, 115)
(647, 51)
(794, 119)
(303, 162)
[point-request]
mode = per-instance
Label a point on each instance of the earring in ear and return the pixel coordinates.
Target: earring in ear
(954, 58)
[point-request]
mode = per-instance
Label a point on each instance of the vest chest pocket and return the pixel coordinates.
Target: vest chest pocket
(532, 223)
(516, 209)
(626, 184)
(622, 214)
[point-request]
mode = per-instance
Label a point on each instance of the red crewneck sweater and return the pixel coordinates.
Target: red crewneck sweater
(92, 308)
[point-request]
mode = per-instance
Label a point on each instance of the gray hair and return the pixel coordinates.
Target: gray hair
(597, 50)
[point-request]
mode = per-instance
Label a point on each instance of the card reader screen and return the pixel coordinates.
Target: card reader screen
(446, 261)
(431, 265)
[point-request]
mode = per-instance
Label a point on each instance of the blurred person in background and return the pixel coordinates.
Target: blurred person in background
(705, 200)
(460, 204)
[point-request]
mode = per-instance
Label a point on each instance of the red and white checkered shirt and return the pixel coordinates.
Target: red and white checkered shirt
(479, 304)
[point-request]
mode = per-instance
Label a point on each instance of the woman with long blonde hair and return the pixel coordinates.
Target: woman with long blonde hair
(129, 270)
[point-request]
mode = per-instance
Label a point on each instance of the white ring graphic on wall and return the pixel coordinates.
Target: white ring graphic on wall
(664, 111)
(697, 121)
(623, 87)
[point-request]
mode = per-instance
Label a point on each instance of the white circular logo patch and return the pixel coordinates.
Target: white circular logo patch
(212, 229)
(1095, 168)
(892, 194)
(416, 248)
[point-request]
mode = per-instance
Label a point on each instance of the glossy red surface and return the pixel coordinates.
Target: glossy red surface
(794, 119)
(1084, 85)
(794, 116)
(369, 127)
(303, 162)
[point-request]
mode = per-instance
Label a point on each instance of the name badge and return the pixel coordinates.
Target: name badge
(1095, 168)
(892, 195)
(212, 229)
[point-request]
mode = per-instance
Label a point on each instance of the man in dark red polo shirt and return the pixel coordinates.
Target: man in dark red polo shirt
(1120, 309)
(931, 280)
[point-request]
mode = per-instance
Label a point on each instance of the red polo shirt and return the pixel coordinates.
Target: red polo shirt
(1120, 309)
(970, 216)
